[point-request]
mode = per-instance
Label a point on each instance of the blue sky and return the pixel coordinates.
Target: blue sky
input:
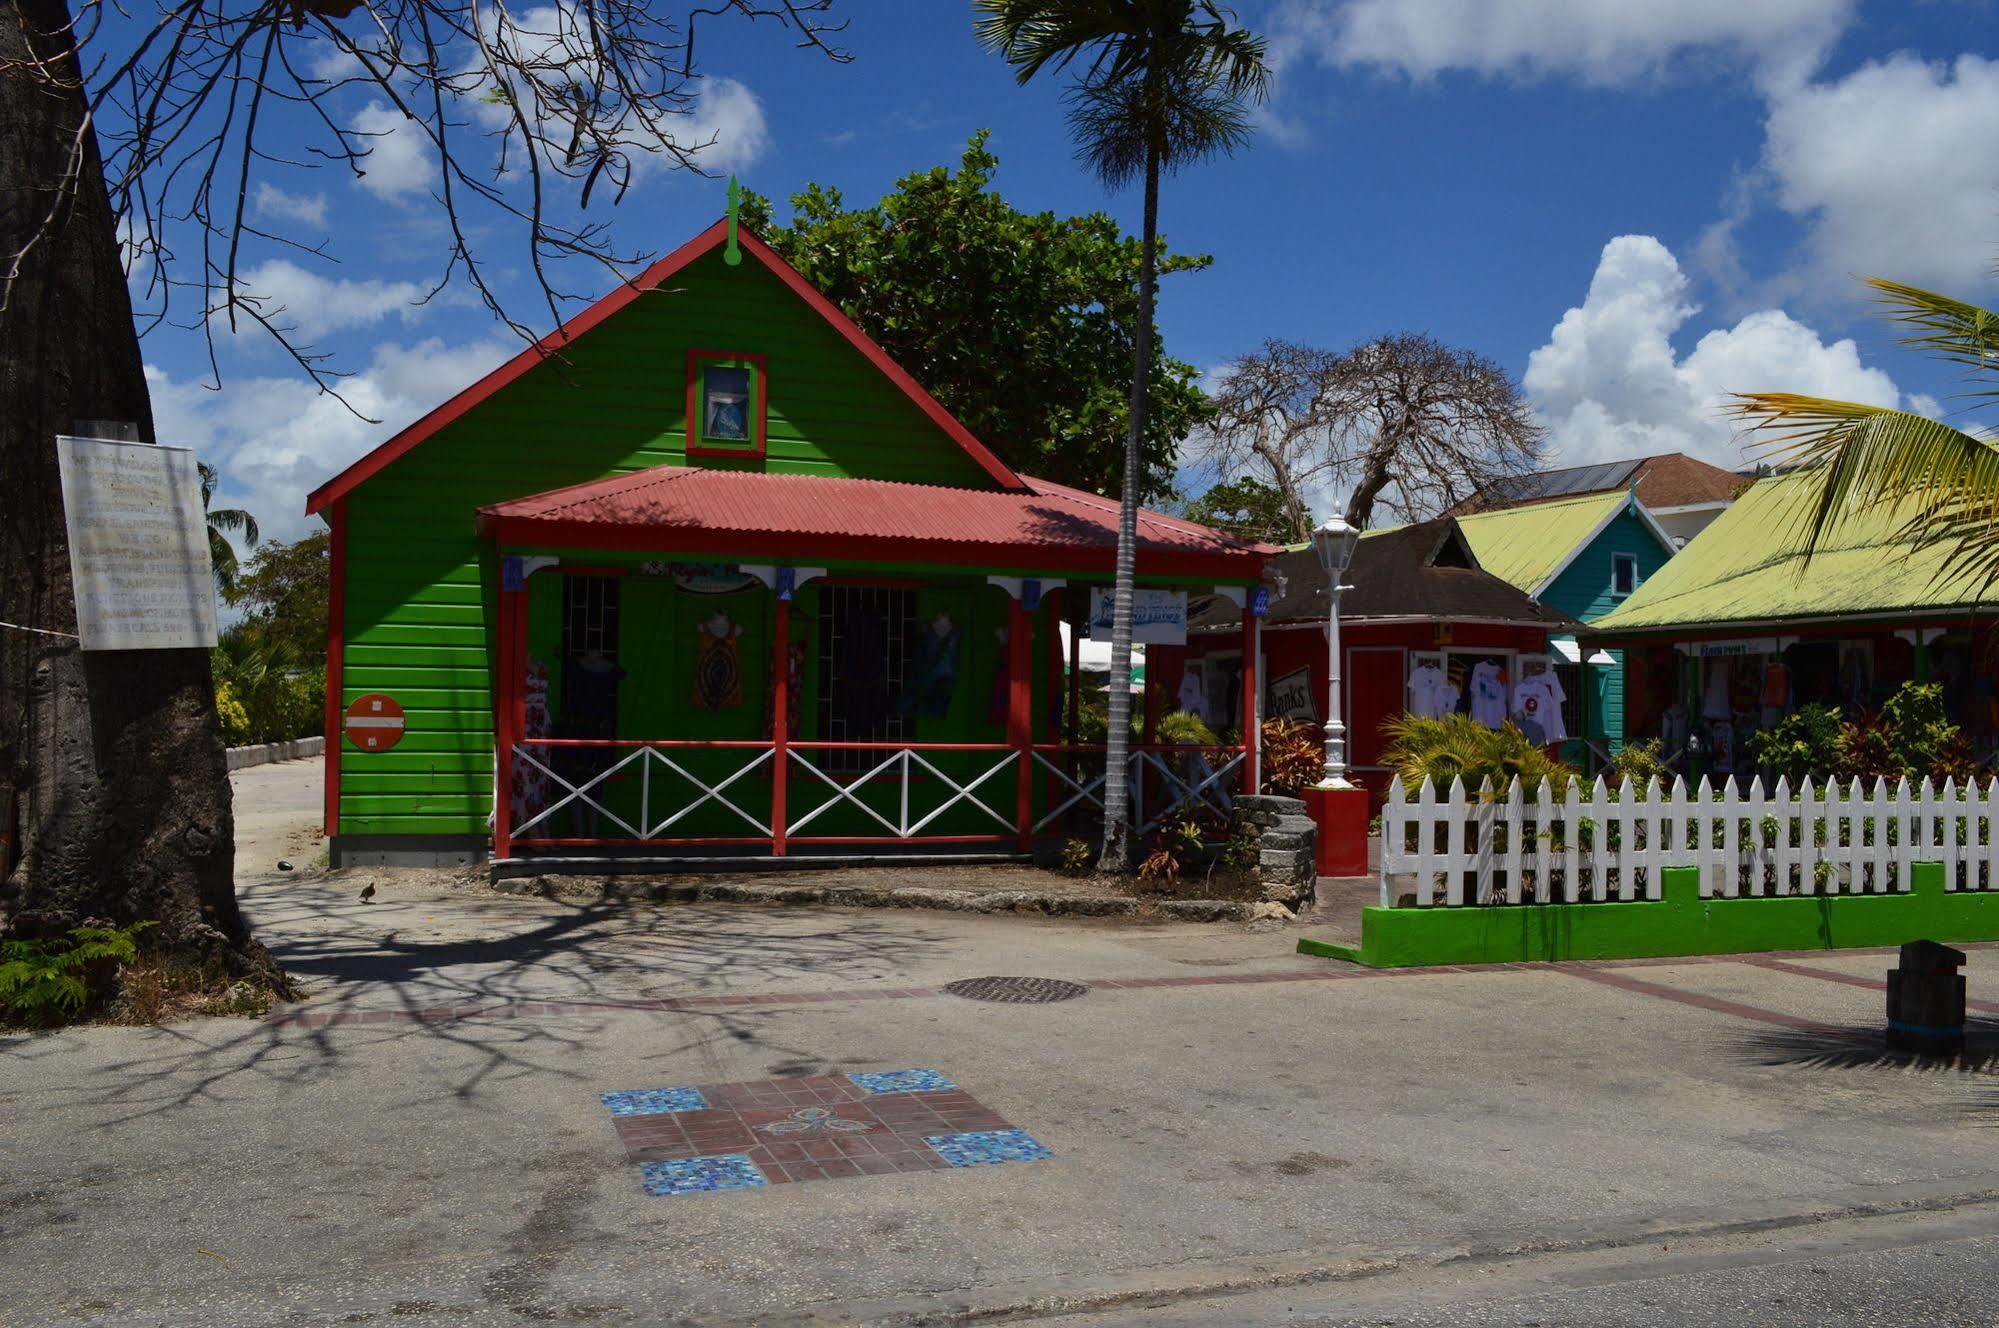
(1635, 207)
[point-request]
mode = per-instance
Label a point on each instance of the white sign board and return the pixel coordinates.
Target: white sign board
(1290, 697)
(1755, 645)
(138, 546)
(1158, 617)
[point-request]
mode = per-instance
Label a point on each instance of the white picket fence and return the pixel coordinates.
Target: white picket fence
(1593, 843)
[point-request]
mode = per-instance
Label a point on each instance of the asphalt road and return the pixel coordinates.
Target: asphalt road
(1289, 1142)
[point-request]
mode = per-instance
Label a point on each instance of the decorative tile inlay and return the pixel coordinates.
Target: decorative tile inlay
(702, 1175)
(814, 1120)
(820, 1127)
(904, 1081)
(654, 1101)
(982, 1148)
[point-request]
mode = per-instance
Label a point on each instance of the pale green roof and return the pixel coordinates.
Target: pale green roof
(1749, 567)
(1527, 545)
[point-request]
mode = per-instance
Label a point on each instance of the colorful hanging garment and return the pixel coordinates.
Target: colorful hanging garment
(929, 692)
(531, 783)
(718, 665)
(793, 693)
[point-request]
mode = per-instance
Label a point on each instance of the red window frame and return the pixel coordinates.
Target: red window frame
(697, 445)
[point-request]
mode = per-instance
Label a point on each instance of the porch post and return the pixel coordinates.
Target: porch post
(1019, 716)
(780, 729)
(1252, 703)
(508, 700)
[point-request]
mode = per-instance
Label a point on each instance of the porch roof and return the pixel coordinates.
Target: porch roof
(807, 518)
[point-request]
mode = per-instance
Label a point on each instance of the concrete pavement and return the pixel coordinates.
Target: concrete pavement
(1295, 1125)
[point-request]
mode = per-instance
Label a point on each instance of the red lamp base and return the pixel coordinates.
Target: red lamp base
(1341, 814)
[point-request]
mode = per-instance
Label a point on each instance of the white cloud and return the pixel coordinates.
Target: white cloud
(730, 114)
(308, 209)
(276, 439)
(311, 305)
(1893, 170)
(1609, 384)
(400, 159)
(1597, 41)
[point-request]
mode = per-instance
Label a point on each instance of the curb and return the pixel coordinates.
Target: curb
(1027, 902)
(242, 758)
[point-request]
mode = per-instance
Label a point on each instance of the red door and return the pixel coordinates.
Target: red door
(1374, 693)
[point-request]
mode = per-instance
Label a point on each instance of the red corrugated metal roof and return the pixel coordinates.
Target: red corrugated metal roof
(687, 507)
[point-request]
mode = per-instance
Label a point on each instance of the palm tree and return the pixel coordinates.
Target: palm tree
(222, 522)
(1163, 83)
(1868, 456)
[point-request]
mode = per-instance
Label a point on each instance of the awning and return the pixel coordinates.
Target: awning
(1571, 653)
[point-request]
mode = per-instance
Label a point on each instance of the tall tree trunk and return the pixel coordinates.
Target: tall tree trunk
(1120, 846)
(112, 761)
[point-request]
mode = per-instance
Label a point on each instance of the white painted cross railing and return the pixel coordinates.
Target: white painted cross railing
(903, 768)
(1593, 843)
(1182, 779)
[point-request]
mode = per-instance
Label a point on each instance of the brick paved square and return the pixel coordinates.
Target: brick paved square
(783, 1131)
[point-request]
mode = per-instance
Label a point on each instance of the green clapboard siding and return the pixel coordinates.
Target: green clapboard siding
(1583, 591)
(419, 599)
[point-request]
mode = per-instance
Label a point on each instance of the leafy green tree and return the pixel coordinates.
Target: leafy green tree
(1163, 83)
(1021, 324)
(282, 591)
(222, 523)
(1249, 509)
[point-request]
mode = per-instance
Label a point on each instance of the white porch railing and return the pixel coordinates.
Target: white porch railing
(1592, 843)
(576, 792)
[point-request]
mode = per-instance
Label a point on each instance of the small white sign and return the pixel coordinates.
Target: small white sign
(138, 545)
(1755, 645)
(1158, 617)
(1290, 697)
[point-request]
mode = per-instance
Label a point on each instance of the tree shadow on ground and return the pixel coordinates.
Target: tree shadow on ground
(598, 962)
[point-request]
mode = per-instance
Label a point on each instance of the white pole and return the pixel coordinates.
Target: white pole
(1336, 729)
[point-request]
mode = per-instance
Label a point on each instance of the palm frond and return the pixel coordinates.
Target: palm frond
(1950, 329)
(1861, 458)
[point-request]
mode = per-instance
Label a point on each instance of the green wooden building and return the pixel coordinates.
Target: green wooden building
(706, 573)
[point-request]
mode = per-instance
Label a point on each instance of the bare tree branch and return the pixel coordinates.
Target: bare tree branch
(1404, 422)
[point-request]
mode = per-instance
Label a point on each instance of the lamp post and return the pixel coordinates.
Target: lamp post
(1334, 543)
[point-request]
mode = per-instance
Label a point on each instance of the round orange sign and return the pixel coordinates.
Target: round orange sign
(374, 722)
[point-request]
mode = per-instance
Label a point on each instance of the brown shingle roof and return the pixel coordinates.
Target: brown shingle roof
(1671, 479)
(1424, 571)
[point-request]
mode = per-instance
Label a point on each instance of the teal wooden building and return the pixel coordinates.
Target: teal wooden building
(1582, 557)
(706, 573)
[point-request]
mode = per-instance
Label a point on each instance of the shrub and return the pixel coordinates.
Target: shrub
(1909, 737)
(1292, 756)
(1093, 725)
(1805, 742)
(1640, 762)
(43, 983)
(1459, 747)
(262, 693)
(1076, 858)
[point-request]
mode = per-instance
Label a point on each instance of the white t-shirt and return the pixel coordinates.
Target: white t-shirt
(1192, 694)
(1488, 694)
(1431, 695)
(1538, 701)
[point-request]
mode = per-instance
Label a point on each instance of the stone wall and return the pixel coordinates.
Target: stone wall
(1288, 843)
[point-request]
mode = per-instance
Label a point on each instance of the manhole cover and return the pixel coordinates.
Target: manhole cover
(1017, 991)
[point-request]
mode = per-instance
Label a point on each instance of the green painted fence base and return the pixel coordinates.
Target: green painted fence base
(1682, 923)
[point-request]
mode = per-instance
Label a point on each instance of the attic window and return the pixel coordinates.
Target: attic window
(726, 403)
(1451, 552)
(1623, 573)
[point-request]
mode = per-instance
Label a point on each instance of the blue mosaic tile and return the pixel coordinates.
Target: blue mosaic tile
(904, 1081)
(986, 1147)
(654, 1101)
(703, 1175)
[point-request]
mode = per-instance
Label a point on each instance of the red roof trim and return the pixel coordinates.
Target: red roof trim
(346, 481)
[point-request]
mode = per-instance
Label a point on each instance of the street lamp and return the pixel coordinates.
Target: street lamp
(1335, 543)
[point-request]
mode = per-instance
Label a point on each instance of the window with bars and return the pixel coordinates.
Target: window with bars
(589, 617)
(866, 638)
(1573, 680)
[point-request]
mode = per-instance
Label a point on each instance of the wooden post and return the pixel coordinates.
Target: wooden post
(780, 728)
(508, 710)
(1252, 704)
(1020, 717)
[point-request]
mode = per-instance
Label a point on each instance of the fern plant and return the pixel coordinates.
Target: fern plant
(43, 983)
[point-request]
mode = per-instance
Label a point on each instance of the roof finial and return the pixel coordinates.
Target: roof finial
(733, 255)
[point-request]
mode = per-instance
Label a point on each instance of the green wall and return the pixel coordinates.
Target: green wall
(1679, 923)
(419, 602)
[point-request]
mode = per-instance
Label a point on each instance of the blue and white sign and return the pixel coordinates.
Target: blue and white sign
(1158, 617)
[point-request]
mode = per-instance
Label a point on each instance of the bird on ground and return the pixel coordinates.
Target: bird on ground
(368, 893)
